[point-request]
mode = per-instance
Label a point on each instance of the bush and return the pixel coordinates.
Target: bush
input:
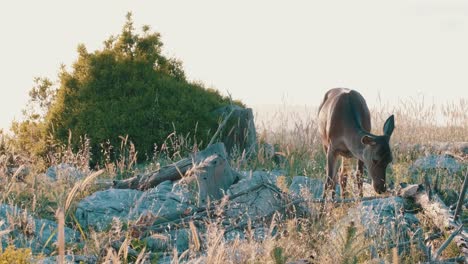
(13, 255)
(127, 88)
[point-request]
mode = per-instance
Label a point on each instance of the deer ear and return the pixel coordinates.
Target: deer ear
(368, 140)
(389, 126)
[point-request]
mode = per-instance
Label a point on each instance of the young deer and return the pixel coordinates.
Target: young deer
(344, 126)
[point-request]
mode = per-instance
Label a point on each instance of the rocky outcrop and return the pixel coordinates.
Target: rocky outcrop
(64, 171)
(25, 231)
(238, 134)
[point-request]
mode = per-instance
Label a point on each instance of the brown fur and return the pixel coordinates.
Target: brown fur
(344, 126)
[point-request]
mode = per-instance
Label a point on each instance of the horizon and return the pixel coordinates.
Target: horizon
(262, 53)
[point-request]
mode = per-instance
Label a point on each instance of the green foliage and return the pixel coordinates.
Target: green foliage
(277, 254)
(29, 137)
(13, 255)
(127, 88)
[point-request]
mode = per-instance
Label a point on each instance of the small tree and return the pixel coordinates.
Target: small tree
(128, 88)
(29, 137)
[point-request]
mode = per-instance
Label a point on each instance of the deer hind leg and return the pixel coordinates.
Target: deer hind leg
(345, 171)
(331, 173)
(359, 175)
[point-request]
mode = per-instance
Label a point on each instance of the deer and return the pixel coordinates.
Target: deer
(344, 125)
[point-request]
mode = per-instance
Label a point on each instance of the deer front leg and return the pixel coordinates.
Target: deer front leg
(331, 173)
(359, 175)
(344, 173)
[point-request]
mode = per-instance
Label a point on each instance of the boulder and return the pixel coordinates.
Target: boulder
(375, 226)
(239, 133)
(308, 189)
(409, 191)
(69, 259)
(209, 167)
(64, 171)
(386, 218)
(458, 148)
(178, 239)
(436, 162)
(385, 222)
(151, 200)
(213, 173)
(304, 185)
(214, 179)
(257, 204)
(261, 176)
(38, 234)
(99, 209)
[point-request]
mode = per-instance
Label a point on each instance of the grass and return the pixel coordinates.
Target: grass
(298, 151)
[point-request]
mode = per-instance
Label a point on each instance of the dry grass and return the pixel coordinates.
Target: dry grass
(319, 240)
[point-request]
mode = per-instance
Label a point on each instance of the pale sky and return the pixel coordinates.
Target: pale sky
(262, 52)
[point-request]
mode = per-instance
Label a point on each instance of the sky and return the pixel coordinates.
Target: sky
(261, 52)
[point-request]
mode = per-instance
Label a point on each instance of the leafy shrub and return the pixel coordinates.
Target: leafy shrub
(127, 88)
(13, 255)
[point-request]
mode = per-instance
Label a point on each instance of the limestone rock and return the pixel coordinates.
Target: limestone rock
(436, 162)
(38, 234)
(258, 204)
(100, 208)
(64, 171)
(213, 174)
(299, 184)
(385, 220)
(239, 134)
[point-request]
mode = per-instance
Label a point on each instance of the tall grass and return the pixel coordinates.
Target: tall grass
(298, 151)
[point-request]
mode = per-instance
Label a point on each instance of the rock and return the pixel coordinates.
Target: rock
(459, 148)
(69, 259)
(258, 204)
(409, 191)
(268, 151)
(152, 200)
(261, 176)
(262, 233)
(171, 210)
(98, 210)
(385, 220)
(377, 224)
(184, 192)
(301, 183)
(239, 133)
(432, 162)
(307, 189)
(213, 173)
(233, 235)
(175, 238)
(166, 259)
(37, 234)
(64, 171)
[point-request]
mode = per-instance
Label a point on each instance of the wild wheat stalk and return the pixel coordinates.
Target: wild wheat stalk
(60, 215)
(80, 186)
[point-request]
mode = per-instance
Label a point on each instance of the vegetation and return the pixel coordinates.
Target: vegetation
(319, 240)
(130, 88)
(13, 255)
(127, 88)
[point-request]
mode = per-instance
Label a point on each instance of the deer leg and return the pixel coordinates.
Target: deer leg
(344, 172)
(331, 174)
(359, 175)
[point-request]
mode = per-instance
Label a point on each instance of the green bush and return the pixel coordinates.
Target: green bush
(13, 255)
(128, 88)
